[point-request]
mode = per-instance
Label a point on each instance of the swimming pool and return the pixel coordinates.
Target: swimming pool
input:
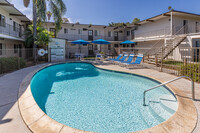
(87, 98)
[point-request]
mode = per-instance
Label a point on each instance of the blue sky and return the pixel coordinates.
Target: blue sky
(106, 11)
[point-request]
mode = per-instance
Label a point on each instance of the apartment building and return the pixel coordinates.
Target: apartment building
(71, 32)
(175, 29)
(12, 26)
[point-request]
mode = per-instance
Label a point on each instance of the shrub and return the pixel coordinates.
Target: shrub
(192, 71)
(8, 64)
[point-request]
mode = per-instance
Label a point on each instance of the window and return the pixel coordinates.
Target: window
(65, 30)
(95, 33)
(109, 34)
(128, 33)
(53, 30)
(197, 26)
(1, 47)
(79, 31)
(14, 26)
(2, 20)
(109, 47)
(17, 47)
(116, 45)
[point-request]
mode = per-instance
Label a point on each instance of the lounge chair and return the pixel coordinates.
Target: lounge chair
(129, 60)
(117, 59)
(122, 59)
(98, 56)
(137, 61)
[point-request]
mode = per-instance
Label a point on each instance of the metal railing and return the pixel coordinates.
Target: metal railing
(73, 37)
(10, 30)
(193, 91)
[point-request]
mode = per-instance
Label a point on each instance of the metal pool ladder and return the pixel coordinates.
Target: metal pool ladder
(193, 90)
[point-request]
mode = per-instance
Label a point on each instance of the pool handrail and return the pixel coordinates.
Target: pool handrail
(193, 89)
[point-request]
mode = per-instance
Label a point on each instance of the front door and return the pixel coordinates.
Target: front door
(185, 24)
(90, 50)
(116, 36)
(196, 51)
(90, 35)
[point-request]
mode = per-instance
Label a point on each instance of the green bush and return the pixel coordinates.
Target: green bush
(192, 71)
(8, 64)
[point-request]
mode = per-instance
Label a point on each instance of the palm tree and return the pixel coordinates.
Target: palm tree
(49, 14)
(58, 9)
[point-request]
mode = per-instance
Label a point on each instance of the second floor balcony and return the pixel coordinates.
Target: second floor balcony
(73, 37)
(10, 30)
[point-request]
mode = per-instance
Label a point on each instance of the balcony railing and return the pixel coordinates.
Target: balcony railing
(10, 30)
(72, 37)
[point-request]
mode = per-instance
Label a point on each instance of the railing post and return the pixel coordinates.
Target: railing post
(144, 95)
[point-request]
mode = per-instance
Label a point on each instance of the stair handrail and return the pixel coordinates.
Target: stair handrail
(161, 39)
(193, 89)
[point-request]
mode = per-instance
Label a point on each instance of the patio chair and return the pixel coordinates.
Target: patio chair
(98, 56)
(129, 60)
(137, 61)
(117, 59)
(122, 59)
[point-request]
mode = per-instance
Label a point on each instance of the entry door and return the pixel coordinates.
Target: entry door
(90, 50)
(90, 35)
(196, 51)
(185, 23)
(116, 36)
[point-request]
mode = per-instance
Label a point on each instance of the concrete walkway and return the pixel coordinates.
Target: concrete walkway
(10, 118)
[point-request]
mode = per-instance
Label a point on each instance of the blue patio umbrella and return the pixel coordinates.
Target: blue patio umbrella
(80, 42)
(101, 41)
(127, 42)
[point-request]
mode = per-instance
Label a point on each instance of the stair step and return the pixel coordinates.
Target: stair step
(147, 116)
(158, 111)
(169, 103)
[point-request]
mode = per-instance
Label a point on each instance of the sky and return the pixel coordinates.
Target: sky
(103, 12)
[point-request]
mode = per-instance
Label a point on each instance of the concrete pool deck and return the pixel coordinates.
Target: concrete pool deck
(9, 84)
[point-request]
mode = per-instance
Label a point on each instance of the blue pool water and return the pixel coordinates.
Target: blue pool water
(87, 98)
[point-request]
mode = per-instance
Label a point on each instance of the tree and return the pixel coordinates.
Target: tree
(43, 36)
(65, 20)
(170, 8)
(49, 14)
(135, 20)
(57, 7)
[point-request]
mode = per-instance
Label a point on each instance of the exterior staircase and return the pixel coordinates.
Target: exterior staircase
(159, 52)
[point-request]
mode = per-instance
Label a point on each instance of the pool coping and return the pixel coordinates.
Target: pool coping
(183, 120)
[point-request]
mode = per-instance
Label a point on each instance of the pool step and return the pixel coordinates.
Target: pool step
(147, 116)
(169, 103)
(158, 109)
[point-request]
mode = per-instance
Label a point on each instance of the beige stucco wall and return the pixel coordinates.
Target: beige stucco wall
(8, 49)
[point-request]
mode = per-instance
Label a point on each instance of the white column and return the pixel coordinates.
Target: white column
(171, 23)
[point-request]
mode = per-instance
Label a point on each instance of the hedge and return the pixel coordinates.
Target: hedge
(192, 71)
(8, 64)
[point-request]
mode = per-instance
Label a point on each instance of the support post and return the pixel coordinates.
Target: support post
(156, 60)
(18, 59)
(161, 67)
